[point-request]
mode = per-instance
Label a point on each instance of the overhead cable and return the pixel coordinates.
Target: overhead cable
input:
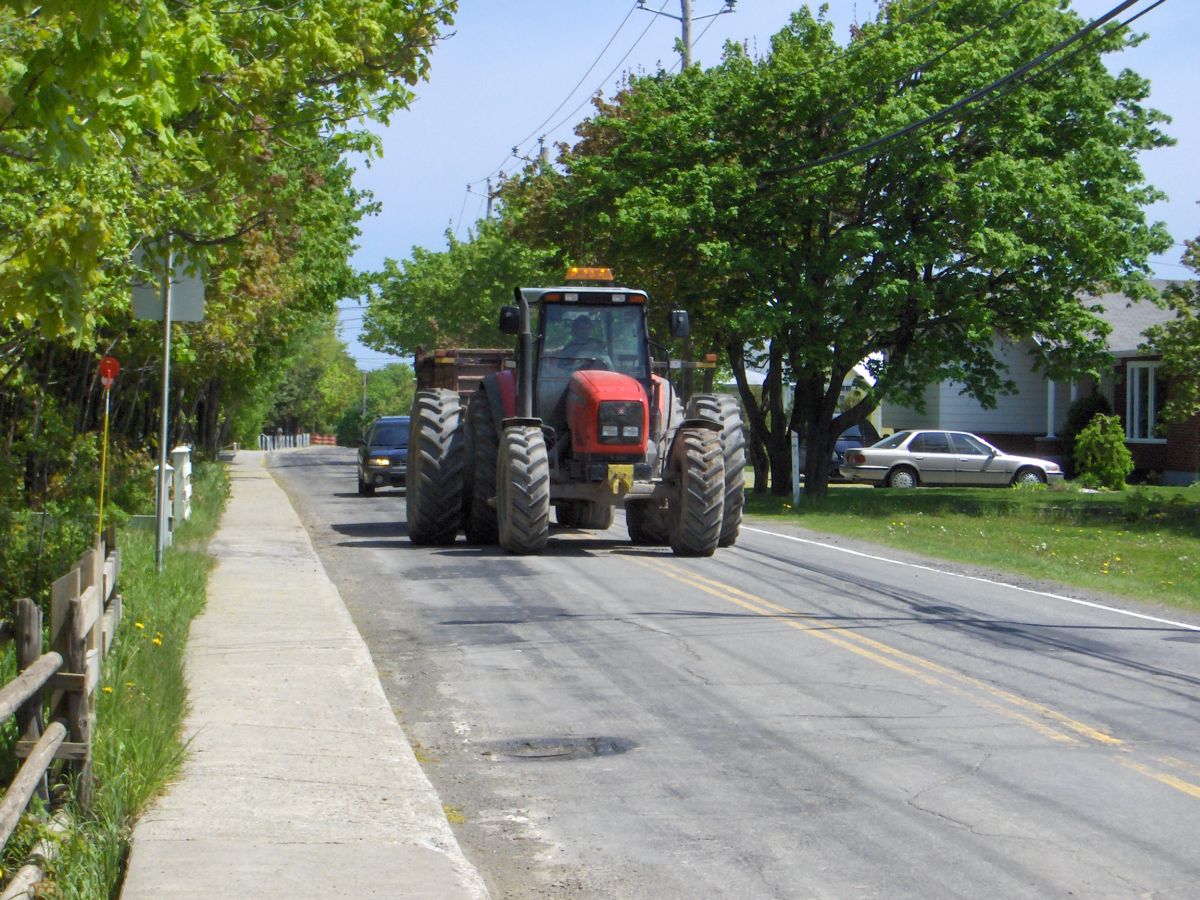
(565, 99)
(974, 96)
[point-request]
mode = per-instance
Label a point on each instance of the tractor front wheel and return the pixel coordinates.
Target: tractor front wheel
(697, 468)
(523, 490)
(435, 477)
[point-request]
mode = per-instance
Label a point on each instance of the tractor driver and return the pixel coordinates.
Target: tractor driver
(583, 344)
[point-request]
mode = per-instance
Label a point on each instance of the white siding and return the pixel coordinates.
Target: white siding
(898, 417)
(1021, 413)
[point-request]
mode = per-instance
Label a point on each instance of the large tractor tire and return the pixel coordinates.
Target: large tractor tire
(724, 410)
(584, 514)
(483, 439)
(675, 419)
(435, 476)
(523, 490)
(648, 523)
(699, 503)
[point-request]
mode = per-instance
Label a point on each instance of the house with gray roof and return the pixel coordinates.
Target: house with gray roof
(1031, 420)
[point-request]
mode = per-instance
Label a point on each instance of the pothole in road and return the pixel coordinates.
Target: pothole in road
(558, 748)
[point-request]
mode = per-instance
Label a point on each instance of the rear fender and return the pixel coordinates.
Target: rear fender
(502, 394)
(661, 394)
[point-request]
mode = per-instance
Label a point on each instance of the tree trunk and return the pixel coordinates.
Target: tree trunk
(756, 424)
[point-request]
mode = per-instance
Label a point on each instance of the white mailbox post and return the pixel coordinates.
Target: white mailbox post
(164, 522)
(181, 501)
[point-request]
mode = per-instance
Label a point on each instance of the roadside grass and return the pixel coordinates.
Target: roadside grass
(142, 701)
(1143, 542)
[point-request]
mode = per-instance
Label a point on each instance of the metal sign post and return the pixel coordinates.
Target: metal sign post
(179, 297)
(160, 503)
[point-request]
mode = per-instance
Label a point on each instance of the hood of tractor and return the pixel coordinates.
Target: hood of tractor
(607, 413)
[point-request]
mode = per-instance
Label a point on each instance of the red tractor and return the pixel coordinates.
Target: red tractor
(582, 425)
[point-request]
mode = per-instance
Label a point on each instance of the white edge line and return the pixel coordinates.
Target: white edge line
(898, 562)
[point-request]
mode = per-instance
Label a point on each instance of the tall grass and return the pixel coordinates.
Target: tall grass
(1142, 542)
(142, 701)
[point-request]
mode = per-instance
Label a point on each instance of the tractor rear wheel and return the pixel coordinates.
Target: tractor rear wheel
(484, 440)
(523, 490)
(593, 515)
(647, 523)
(583, 514)
(724, 410)
(696, 510)
(435, 477)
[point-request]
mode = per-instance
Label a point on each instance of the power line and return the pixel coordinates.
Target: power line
(604, 80)
(945, 111)
(565, 99)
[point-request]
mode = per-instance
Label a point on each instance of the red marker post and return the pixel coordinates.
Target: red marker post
(108, 370)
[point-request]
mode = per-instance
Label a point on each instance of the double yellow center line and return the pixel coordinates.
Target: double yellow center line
(1048, 722)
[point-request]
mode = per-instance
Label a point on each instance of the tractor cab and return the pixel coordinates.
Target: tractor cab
(586, 330)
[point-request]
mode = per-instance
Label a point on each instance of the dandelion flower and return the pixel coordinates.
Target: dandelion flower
(138, 625)
(157, 642)
(107, 689)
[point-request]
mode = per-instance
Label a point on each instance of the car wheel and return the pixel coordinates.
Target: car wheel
(365, 490)
(1029, 476)
(902, 477)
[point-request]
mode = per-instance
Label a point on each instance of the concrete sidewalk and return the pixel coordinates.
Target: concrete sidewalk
(299, 781)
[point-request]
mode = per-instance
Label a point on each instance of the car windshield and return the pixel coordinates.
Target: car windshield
(891, 443)
(393, 434)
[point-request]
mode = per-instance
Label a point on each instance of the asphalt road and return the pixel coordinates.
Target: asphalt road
(793, 717)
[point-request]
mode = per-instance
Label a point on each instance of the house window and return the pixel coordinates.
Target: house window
(1145, 396)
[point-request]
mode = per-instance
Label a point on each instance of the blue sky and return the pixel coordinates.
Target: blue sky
(514, 71)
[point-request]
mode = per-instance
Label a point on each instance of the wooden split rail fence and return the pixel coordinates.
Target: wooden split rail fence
(85, 609)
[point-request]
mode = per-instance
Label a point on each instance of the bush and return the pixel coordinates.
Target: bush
(1101, 454)
(1081, 412)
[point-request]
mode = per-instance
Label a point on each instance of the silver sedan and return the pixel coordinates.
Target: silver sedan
(910, 458)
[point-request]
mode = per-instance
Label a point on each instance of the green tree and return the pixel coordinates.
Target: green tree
(121, 121)
(387, 392)
(914, 257)
(224, 126)
(452, 298)
(320, 385)
(1179, 342)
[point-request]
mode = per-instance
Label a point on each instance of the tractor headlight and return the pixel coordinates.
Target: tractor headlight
(621, 421)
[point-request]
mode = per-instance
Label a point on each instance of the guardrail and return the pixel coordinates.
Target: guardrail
(85, 609)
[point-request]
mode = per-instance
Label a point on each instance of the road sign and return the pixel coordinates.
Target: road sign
(187, 290)
(109, 368)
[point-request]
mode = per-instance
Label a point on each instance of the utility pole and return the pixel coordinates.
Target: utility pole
(685, 20)
(490, 195)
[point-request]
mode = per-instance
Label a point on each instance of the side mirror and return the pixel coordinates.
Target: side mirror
(681, 325)
(510, 320)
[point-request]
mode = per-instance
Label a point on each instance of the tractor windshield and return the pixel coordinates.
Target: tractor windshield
(609, 337)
